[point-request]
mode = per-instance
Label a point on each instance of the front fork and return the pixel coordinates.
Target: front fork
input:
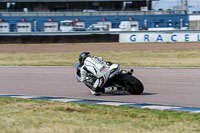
(131, 72)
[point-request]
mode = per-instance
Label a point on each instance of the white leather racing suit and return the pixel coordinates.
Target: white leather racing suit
(99, 69)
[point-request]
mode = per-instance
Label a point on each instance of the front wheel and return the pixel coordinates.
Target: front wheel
(131, 83)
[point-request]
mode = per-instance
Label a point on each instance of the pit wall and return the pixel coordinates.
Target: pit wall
(86, 37)
(145, 21)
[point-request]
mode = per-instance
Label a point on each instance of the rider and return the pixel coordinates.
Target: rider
(95, 66)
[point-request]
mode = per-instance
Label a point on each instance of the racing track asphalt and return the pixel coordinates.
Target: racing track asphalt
(168, 86)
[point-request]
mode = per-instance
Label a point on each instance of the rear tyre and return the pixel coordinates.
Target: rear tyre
(131, 83)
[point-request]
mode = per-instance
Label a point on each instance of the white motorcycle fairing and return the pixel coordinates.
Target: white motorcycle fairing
(114, 69)
(99, 69)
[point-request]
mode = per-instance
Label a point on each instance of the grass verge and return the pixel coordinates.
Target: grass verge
(40, 116)
(154, 58)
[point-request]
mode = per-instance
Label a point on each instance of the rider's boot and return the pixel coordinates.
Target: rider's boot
(96, 91)
(110, 90)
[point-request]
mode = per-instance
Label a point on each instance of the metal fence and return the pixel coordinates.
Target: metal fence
(93, 13)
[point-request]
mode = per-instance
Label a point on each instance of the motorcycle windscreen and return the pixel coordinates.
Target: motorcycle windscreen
(76, 65)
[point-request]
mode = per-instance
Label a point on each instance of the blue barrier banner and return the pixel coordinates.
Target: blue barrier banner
(160, 37)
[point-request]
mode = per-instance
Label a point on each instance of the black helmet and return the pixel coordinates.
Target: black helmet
(83, 56)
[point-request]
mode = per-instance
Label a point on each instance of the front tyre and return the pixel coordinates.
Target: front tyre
(131, 83)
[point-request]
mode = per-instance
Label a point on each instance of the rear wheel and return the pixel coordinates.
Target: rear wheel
(131, 83)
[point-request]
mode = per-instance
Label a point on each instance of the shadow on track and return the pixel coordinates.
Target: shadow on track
(126, 93)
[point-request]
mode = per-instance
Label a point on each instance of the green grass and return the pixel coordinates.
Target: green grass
(37, 116)
(155, 58)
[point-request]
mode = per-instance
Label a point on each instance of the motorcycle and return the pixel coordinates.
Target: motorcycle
(115, 79)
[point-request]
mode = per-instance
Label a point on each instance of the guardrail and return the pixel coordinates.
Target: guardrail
(56, 33)
(95, 13)
(86, 37)
(89, 33)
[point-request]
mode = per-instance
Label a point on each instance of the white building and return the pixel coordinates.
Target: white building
(189, 5)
